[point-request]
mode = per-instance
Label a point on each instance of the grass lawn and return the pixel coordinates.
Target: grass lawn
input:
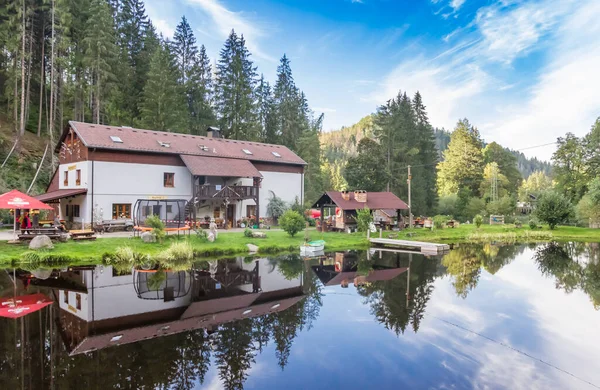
(466, 233)
(89, 252)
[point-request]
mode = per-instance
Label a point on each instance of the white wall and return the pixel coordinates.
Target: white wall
(71, 306)
(124, 183)
(286, 186)
(115, 296)
(71, 170)
(270, 281)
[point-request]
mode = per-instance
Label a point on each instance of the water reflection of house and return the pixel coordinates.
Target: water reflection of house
(102, 308)
(343, 269)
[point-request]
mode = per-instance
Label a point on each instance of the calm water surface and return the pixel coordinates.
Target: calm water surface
(484, 317)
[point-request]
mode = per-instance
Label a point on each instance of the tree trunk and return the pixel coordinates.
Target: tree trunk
(98, 99)
(16, 95)
(42, 80)
(51, 127)
(29, 72)
(23, 31)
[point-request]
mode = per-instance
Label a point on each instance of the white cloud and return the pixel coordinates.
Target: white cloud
(324, 109)
(565, 97)
(512, 31)
(164, 27)
(456, 4)
(225, 20)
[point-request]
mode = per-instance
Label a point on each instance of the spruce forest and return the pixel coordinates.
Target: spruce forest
(102, 61)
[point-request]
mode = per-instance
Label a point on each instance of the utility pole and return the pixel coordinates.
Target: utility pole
(410, 217)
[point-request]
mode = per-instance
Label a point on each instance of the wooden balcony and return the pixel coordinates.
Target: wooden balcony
(233, 193)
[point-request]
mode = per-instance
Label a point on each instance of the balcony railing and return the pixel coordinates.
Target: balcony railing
(211, 191)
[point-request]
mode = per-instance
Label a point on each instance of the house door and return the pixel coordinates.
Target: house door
(231, 216)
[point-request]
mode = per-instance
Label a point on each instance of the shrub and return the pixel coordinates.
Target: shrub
(276, 207)
(363, 219)
(478, 220)
(311, 222)
(474, 207)
(503, 206)
(447, 204)
(439, 221)
(248, 233)
(178, 252)
(553, 208)
(158, 227)
(533, 224)
(292, 222)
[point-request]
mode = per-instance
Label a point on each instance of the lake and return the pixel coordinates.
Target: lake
(482, 316)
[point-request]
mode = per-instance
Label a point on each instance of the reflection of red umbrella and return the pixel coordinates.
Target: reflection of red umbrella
(18, 200)
(22, 305)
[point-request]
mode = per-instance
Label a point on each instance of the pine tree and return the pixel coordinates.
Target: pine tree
(462, 168)
(162, 105)
(236, 77)
(286, 97)
(99, 52)
(200, 94)
(309, 150)
(428, 157)
(507, 164)
(266, 112)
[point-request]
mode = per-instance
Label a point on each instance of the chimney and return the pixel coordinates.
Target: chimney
(360, 196)
(345, 195)
(213, 132)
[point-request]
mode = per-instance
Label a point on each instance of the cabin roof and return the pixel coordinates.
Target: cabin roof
(142, 140)
(217, 166)
(375, 201)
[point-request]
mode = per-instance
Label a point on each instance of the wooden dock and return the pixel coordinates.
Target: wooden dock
(423, 247)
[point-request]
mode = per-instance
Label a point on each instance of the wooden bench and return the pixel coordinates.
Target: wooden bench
(82, 235)
(29, 234)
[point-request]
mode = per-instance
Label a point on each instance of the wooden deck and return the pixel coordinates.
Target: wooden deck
(423, 247)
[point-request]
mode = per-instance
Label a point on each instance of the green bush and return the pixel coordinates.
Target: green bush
(553, 208)
(439, 221)
(478, 220)
(533, 224)
(475, 207)
(311, 222)
(292, 222)
(363, 219)
(158, 227)
(276, 207)
(248, 233)
(447, 204)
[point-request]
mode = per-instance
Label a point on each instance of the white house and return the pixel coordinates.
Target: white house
(104, 170)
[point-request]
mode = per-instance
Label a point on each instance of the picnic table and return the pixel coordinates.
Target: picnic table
(82, 235)
(29, 234)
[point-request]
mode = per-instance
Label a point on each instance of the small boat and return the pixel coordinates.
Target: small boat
(311, 247)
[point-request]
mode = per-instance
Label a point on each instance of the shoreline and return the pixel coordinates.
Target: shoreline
(278, 242)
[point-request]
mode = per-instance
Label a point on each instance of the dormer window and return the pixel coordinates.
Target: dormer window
(116, 139)
(247, 151)
(276, 154)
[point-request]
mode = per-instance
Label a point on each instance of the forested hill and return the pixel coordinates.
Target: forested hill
(339, 145)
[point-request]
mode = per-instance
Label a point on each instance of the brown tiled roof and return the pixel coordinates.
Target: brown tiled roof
(217, 166)
(185, 324)
(375, 201)
(140, 140)
(53, 196)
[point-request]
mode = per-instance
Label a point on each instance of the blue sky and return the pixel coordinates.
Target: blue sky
(524, 72)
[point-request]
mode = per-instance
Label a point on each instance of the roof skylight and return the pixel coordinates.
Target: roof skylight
(276, 154)
(246, 151)
(116, 139)
(164, 144)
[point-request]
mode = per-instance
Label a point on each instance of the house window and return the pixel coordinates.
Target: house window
(217, 213)
(78, 301)
(169, 209)
(66, 297)
(78, 177)
(250, 211)
(169, 179)
(121, 211)
(66, 178)
(73, 210)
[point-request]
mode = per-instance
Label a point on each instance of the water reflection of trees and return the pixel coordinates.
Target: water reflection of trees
(401, 301)
(37, 356)
(574, 266)
(464, 263)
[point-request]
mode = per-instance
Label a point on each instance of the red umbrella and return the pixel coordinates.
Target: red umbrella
(18, 200)
(22, 305)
